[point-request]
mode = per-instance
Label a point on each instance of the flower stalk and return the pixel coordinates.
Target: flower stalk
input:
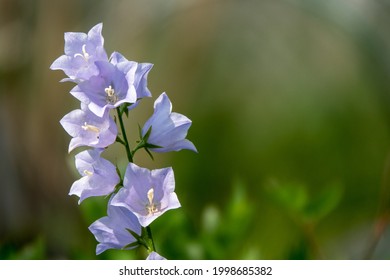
(139, 196)
(150, 236)
(124, 141)
(130, 154)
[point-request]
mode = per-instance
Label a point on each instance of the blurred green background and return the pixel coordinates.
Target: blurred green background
(290, 103)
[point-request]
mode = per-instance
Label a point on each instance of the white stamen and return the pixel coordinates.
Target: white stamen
(151, 207)
(88, 173)
(151, 195)
(110, 91)
(89, 127)
(84, 55)
(111, 98)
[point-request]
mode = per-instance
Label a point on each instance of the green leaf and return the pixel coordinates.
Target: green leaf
(239, 205)
(323, 203)
(293, 197)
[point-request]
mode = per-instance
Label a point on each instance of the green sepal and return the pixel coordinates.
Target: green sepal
(146, 138)
(134, 234)
(116, 189)
(131, 245)
(139, 131)
(146, 239)
(143, 143)
(147, 134)
(149, 153)
(140, 239)
(118, 171)
(124, 108)
(120, 184)
(151, 146)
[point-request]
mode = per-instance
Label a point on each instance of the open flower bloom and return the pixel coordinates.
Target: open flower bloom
(147, 193)
(140, 76)
(87, 129)
(112, 230)
(154, 256)
(113, 86)
(99, 175)
(81, 52)
(168, 130)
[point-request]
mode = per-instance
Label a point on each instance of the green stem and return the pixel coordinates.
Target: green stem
(151, 247)
(126, 142)
(149, 231)
(140, 145)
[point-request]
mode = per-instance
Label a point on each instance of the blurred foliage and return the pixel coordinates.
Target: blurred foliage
(290, 103)
(298, 203)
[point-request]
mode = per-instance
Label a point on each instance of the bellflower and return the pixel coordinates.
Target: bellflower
(155, 257)
(113, 86)
(112, 230)
(81, 52)
(148, 194)
(140, 79)
(87, 129)
(168, 130)
(99, 175)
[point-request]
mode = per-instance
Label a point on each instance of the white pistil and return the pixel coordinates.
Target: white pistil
(151, 207)
(89, 127)
(88, 173)
(84, 55)
(111, 98)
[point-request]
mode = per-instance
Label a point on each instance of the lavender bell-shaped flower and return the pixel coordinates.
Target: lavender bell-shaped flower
(113, 86)
(168, 130)
(87, 129)
(147, 193)
(99, 175)
(81, 52)
(140, 79)
(112, 231)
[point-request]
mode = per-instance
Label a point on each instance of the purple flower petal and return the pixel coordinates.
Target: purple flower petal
(87, 129)
(168, 129)
(109, 89)
(99, 175)
(81, 52)
(140, 75)
(155, 257)
(111, 231)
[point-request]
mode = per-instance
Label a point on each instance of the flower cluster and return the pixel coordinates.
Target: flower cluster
(108, 88)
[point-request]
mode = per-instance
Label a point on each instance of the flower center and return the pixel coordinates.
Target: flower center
(151, 207)
(89, 127)
(111, 98)
(84, 55)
